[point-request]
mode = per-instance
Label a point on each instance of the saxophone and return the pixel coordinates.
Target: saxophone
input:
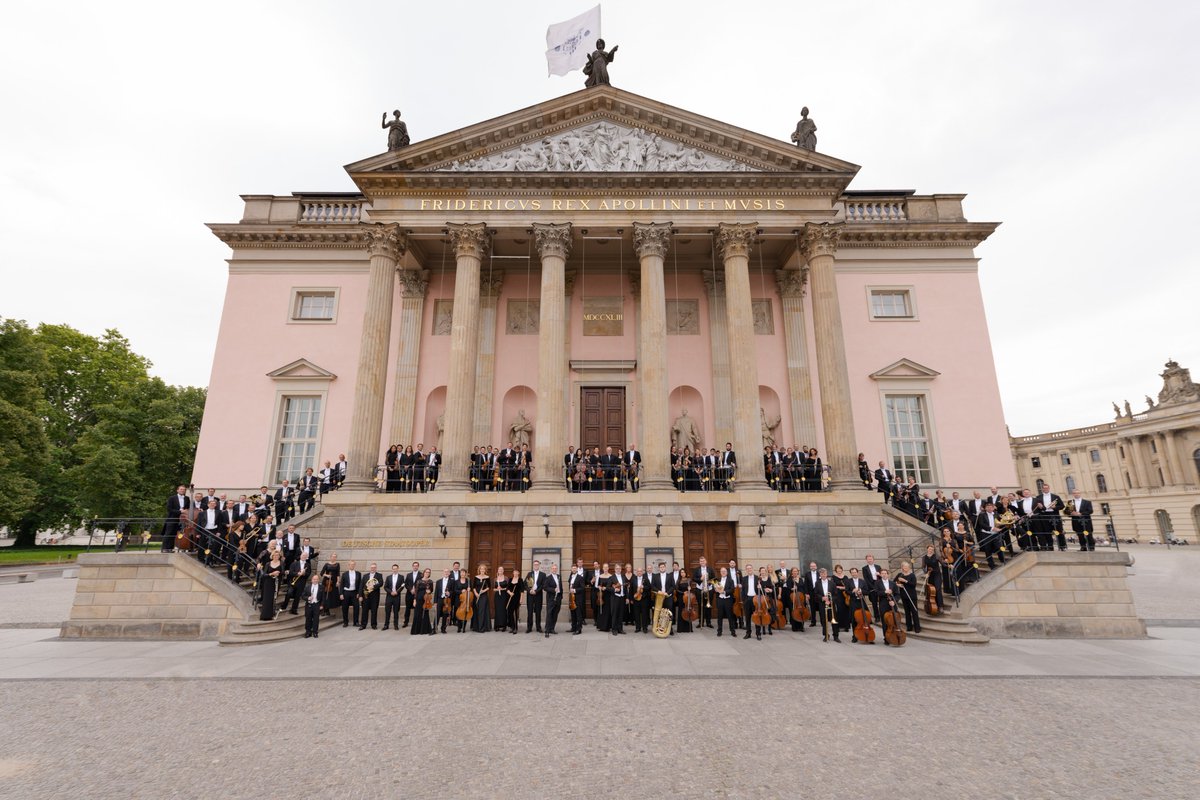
(662, 618)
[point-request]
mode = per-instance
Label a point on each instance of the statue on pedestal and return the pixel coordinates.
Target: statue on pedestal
(1128, 410)
(397, 131)
(1117, 410)
(805, 135)
(441, 429)
(1150, 403)
(684, 432)
(768, 427)
(596, 67)
(520, 432)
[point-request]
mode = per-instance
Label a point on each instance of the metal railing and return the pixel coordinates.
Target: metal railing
(407, 478)
(586, 477)
(797, 478)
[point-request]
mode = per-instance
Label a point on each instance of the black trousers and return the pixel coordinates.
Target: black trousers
(391, 611)
(312, 618)
(616, 614)
(912, 621)
(553, 605)
(1086, 540)
(641, 613)
(306, 501)
(533, 612)
(825, 621)
(703, 599)
(441, 617)
(725, 612)
(577, 613)
(370, 610)
(168, 534)
(349, 600)
(409, 601)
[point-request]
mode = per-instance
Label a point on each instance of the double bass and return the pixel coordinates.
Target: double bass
(893, 634)
(466, 605)
(762, 612)
(691, 610)
(800, 612)
(931, 606)
(863, 630)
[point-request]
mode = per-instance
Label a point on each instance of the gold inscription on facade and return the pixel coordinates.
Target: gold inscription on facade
(380, 544)
(603, 316)
(599, 204)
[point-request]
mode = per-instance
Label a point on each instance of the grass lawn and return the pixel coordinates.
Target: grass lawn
(44, 554)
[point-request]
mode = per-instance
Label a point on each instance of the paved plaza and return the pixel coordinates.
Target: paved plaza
(370, 713)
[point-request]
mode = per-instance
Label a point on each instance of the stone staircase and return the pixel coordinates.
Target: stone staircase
(255, 631)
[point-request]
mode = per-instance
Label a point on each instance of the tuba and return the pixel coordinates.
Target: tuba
(662, 618)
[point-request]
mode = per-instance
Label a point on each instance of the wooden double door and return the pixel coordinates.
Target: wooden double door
(602, 417)
(606, 542)
(716, 541)
(497, 544)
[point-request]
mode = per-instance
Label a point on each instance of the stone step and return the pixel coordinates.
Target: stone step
(966, 635)
(256, 631)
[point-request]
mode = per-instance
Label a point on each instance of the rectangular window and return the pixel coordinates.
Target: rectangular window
(1066, 459)
(1153, 446)
(298, 429)
(1035, 462)
(314, 305)
(891, 304)
(908, 437)
(1095, 454)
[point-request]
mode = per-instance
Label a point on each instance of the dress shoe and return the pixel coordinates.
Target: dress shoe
(308, 636)
(718, 633)
(547, 636)
(552, 633)
(315, 636)
(747, 636)
(759, 636)
(385, 627)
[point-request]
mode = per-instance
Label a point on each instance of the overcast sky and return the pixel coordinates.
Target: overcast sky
(128, 126)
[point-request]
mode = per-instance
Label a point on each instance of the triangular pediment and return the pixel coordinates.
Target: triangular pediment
(603, 130)
(905, 369)
(301, 369)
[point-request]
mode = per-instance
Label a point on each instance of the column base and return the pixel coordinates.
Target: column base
(753, 483)
(844, 485)
(359, 485)
(547, 486)
(655, 483)
(452, 485)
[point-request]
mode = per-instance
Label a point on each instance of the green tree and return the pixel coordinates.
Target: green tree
(24, 447)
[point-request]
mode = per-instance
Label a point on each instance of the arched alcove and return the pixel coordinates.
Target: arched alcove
(770, 415)
(516, 400)
(686, 398)
(435, 406)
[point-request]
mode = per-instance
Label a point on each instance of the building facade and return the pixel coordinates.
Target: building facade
(600, 265)
(1142, 469)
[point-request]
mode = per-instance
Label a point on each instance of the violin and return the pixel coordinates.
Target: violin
(931, 606)
(428, 598)
(863, 631)
(893, 634)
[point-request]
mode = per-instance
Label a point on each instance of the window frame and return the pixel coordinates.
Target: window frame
(297, 295)
(925, 400)
(910, 295)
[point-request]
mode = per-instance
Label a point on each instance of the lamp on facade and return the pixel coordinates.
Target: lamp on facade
(546, 524)
(762, 525)
(442, 525)
(658, 525)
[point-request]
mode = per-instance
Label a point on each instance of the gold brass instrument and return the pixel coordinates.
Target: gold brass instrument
(662, 617)
(1006, 520)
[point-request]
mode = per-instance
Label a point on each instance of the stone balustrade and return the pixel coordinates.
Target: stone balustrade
(318, 211)
(875, 210)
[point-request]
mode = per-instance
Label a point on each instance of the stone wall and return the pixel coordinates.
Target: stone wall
(151, 596)
(1062, 595)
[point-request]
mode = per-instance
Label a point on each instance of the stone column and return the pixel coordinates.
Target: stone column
(718, 328)
(485, 375)
(1178, 468)
(470, 243)
(412, 312)
(651, 243)
(1164, 459)
(550, 428)
(791, 294)
(818, 244)
(733, 243)
(386, 246)
(1138, 471)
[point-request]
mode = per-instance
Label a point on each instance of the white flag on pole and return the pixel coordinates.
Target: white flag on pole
(568, 43)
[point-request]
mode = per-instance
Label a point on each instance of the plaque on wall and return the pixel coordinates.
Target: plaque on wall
(443, 317)
(548, 556)
(764, 317)
(683, 318)
(657, 554)
(603, 316)
(523, 317)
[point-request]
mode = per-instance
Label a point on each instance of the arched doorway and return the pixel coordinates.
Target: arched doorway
(1163, 520)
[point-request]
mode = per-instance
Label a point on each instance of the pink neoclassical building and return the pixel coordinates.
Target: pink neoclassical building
(603, 265)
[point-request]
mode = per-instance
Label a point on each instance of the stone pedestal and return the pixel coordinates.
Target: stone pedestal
(412, 311)
(470, 243)
(733, 243)
(386, 245)
(818, 245)
(550, 429)
(651, 243)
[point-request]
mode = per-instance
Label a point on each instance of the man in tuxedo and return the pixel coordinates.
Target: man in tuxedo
(410, 585)
(1081, 521)
(214, 523)
(177, 504)
(823, 593)
(737, 579)
(577, 587)
(569, 465)
(370, 599)
(884, 479)
(553, 587)
(727, 466)
(857, 589)
(641, 608)
(870, 576)
(308, 490)
(996, 498)
(393, 594)
(959, 507)
(291, 546)
(460, 581)
(618, 591)
(349, 588)
(724, 600)
(701, 575)
(308, 551)
(810, 590)
(283, 502)
(976, 504)
(594, 582)
(751, 588)
(534, 585)
(443, 611)
(297, 577)
(507, 461)
(314, 604)
(663, 583)
(340, 471)
(988, 536)
(633, 466)
(241, 510)
(1047, 506)
(433, 467)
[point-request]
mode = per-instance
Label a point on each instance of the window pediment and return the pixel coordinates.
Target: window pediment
(905, 369)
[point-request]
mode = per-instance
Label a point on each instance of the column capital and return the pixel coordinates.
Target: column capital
(714, 281)
(791, 282)
(489, 285)
(414, 282)
(552, 240)
(468, 238)
(651, 239)
(820, 238)
(735, 239)
(386, 240)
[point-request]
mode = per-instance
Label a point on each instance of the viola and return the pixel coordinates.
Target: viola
(863, 631)
(893, 634)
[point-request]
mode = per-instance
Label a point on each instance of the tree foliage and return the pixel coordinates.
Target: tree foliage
(85, 430)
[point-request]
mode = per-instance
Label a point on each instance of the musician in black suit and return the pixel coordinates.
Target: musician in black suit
(617, 592)
(641, 608)
(534, 585)
(443, 601)
(314, 604)
(870, 576)
(988, 535)
(809, 581)
(856, 587)
(283, 502)
(215, 525)
(663, 583)
(177, 504)
(1047, 507)
(752, 586)
(1081, 521)
(864, 470)
(825, 615)
(308, 489)
(552, 586)
(291, 545)
(577, 586)
(297, 577)
(370, 599)
(633, 466)
(701, 576)
(410, 587)
(393, 595)
(724, 600)
(349, 588)
(433, 467)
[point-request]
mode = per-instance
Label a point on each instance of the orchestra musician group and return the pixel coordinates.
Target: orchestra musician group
(406, 469)
(614, 470)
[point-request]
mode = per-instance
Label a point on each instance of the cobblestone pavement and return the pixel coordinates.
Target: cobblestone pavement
(731, 738)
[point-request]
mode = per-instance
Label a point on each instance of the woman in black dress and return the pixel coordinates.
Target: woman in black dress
(629, 610)
(513, 605)
(603, 619)
(331, 575)
(269, 587)
(422, 589)
(481, 583)
(406, 462)
(391, 463)
(792, 586)
(501, 601)
(841, 609)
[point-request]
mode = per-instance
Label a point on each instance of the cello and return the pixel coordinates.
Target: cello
(931, 606)
(466, 605)
(779, 617)
(761, 617)
(691, 611)
(893, 634)
(863, 630)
